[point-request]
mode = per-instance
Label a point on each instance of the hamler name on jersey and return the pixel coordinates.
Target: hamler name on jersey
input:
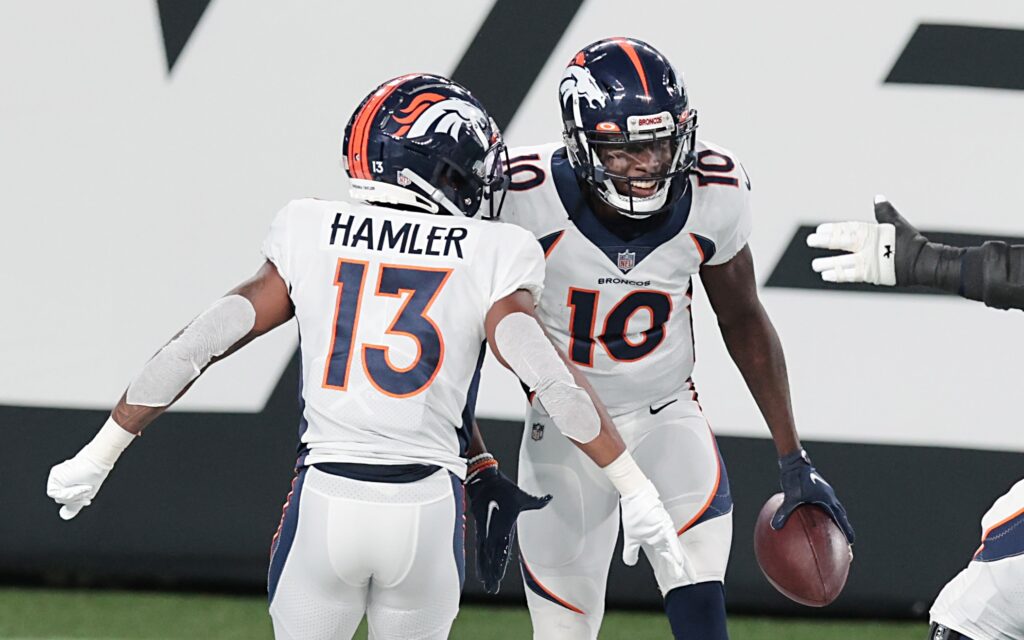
(413, 238)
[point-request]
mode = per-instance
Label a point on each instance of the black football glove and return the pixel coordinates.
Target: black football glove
(496, 503)
(919, 261)
(802, 484)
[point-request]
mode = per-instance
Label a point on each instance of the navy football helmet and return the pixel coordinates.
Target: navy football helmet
(423, 141)
(623, 105)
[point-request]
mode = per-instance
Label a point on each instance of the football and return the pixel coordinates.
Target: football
(807, 560)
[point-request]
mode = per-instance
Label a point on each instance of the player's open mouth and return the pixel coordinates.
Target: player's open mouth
(643, 188)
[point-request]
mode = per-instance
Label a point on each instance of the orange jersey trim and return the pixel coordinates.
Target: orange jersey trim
(984, 536)
(554, 244)
(699, 250)
(560, 601)
(714, 489)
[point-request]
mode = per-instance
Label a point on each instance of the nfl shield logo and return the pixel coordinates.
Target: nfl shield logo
(538, 431)
(627, 260)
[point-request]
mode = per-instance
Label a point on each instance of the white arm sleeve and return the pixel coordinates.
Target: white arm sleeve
(533, 358)
(181, 361)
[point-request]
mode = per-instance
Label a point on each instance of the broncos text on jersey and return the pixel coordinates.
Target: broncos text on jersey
(621, 309)
(390, 306)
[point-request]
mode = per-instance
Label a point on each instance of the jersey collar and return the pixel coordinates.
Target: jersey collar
(621, 252)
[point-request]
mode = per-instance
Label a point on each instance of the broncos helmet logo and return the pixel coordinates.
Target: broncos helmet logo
(433, 113)
(578, 80)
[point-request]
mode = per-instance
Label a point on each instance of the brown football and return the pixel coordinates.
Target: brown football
(808, 559)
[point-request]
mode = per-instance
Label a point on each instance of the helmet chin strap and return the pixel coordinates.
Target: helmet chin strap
(434, 193)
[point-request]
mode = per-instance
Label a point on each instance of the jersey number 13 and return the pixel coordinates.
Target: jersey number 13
(421, 286)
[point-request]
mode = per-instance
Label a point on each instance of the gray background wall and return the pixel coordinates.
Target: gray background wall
(143, 160)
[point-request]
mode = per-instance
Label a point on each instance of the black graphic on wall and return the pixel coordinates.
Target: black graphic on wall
(794, 268)
(509, 51)
(178, 19)
(957, 55)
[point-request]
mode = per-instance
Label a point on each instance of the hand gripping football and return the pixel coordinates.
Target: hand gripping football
(807, 560)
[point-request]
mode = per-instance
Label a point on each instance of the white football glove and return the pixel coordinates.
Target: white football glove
(75, 482)
(872, 248)
(646, 523)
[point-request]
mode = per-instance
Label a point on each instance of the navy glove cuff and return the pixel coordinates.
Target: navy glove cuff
(795, 460)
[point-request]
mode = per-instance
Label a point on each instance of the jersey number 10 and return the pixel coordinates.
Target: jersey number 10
(583, 320)
(421, 285)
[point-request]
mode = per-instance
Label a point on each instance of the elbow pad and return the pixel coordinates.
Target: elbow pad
(532, 357)
(182, 359)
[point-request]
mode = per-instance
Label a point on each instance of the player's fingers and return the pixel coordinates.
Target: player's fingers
(531, 503)
(844, 523)
(69, 511)
(837, 512)
(66, 495)
(630, 551)
(840, 236)
(780, 517)
(885, 213)
(834, 263)
(820, 238)
(675, 548)
(675, 553)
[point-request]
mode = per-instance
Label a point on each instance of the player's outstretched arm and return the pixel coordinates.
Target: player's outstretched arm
(754, 346)
(496, 503)
(244, 313)
(519, 343)
(893, 252)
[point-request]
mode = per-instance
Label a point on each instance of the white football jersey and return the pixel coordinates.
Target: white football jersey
(390, 306)
(985, 601)
(621, 309)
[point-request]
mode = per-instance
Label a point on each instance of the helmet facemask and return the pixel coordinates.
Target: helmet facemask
(481, 189)
(606, 158)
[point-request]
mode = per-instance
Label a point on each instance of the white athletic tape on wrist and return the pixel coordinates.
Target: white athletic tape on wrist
(108, 443)
(531, 356)
(626, 475)
(212, 333)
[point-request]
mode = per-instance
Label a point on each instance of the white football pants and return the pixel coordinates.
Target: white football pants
(345, 548)
(567, 546)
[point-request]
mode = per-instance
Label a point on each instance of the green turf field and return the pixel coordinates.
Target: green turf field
(26, 613)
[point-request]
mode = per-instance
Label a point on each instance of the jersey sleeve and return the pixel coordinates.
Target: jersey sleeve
(737, 220)
(276, 244)
(520, 264)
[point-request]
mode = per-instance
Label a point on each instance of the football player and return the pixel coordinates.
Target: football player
(628, 209)
(395, 294)
(985, 601)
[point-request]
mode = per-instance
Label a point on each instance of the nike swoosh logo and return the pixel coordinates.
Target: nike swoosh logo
(815, 478)
(655, 411)
(492, 506)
